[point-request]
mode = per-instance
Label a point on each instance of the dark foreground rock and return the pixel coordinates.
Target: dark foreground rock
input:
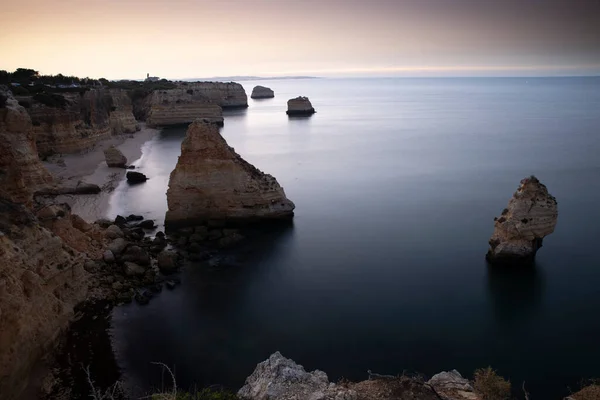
(134, 177)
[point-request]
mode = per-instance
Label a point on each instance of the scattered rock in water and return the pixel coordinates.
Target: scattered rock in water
(133, 217)
(134, 177)
(300, 106)
(170, 284)
(147, 224)
(120, 220)
(167, 261)
(132, 269)
(137, 255)
(114, 157)
(262, 92)
(530, 216)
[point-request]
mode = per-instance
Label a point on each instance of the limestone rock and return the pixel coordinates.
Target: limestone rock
(113, 232)
(225, 94)
(262, 92)
(279, 378)
(212, 182)
(117, 246)
(70, 122)
(180, 106)
(21, 170)
(69, 188)
(300, 106)
(108, 257)
(41, 280)
(132, 269)
(452, 386)
(114, 157)
(531, 215)
(121, 117)
(167, 261)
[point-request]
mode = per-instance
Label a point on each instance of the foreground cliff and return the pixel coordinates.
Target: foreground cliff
(21, 171)
(279, 378)
(530, 216)
(212, 182)
(41, 280)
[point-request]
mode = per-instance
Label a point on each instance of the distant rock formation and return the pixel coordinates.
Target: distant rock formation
(121, 117)
(212, 182)
(262, 92)
(114, 157)
(530, 216)
(21, 171)
(300, 106)
(279, 378)
(228, 95)
(180, 106)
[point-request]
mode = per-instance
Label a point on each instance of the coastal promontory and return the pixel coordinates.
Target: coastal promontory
(530, 216)
(212, 182)
(262, 92)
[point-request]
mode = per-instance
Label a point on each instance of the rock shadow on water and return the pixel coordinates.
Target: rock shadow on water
(516, 292)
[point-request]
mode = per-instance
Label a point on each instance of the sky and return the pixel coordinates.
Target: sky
(178, 39)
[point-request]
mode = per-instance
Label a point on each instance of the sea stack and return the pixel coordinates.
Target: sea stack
(530, 216)
(262, 92)
(212, 182)
(300, 106)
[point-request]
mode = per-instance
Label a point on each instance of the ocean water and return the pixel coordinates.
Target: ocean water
(396, 184)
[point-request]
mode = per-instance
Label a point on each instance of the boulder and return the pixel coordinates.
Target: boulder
(137, 255)
(262, 92)
(114, 157)
(212, 182)
(147, 224)
(167, 261)
(133, 217)
(530, 216)
(132, 269)
(134, 177)
(108, 257)
(117, 246)
(451, 385)
(300, 106)
(113, 232)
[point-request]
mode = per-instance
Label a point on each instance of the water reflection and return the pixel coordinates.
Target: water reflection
(516, 292)
(220, 340)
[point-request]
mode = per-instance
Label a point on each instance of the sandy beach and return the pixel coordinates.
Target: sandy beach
(91, 167)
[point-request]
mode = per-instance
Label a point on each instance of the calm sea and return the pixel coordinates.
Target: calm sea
(396, 183)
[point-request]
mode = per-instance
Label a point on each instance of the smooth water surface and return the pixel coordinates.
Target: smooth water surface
(396, 184)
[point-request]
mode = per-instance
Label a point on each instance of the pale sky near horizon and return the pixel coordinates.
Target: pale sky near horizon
(179, 39)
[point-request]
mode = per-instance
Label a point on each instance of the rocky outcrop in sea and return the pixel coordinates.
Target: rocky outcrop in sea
(280, 378)
(212, 182)
(530, 216)
(21, 170)
(262, 92)
(300, 106)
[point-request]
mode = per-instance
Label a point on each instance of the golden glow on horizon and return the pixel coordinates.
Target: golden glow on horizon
(180, 39)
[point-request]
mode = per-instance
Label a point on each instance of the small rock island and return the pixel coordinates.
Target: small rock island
(300, 106)
(212, 182)
(530, 216)
(262, 92)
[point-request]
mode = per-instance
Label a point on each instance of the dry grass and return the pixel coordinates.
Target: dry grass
(490, 385)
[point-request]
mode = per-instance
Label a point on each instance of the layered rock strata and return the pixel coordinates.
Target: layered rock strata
(121, 117)
(279, 378)
(262, 92)
(530, 216)
(212, 182)
(70, 122)
(300, 106)
(228, 95)
(21, 171)
(180, 106)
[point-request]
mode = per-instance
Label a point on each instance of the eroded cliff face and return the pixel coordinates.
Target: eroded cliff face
(180, 106)
(225, 94)
(530, 216)
(212, 182)
(121, 113)
(71, 124)
(21, 171)
(41, 280)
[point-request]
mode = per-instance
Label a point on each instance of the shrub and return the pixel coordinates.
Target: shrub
(51, 100)
(490, 385)
(19, 91)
